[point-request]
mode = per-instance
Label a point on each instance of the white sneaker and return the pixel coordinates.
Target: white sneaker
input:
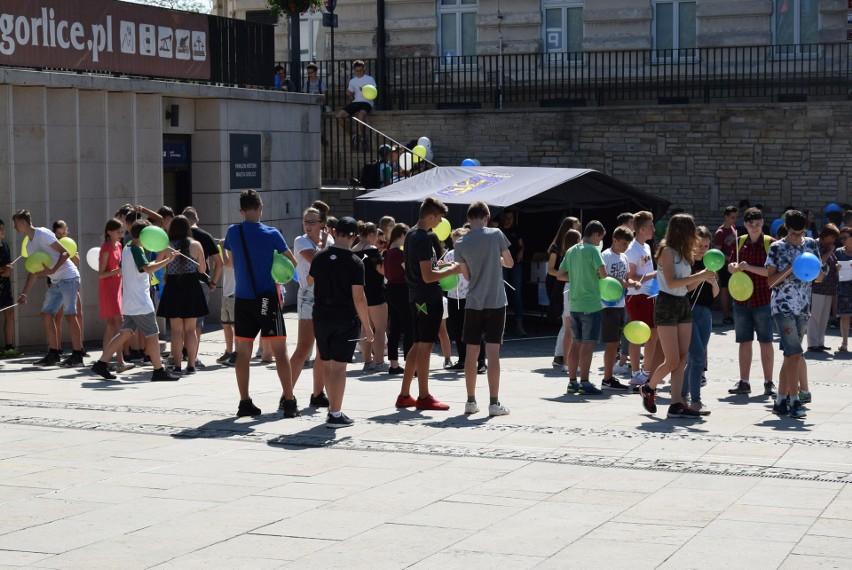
(622, 369)
(498, 410)
(639, 378)
(470, 408)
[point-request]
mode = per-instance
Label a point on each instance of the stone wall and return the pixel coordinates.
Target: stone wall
(699, 157)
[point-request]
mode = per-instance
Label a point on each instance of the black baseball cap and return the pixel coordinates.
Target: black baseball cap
(346, 225)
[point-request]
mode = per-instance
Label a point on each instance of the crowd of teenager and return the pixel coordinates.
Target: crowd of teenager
(394, 292)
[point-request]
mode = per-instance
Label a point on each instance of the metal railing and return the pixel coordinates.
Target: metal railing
(700, 75)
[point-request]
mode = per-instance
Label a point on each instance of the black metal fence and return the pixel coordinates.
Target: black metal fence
(701, 75)
(241, 53)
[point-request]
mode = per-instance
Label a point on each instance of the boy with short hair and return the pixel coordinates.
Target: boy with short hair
(137, 307)
(725, 240)
(639, 302)
(791, 308)
(612, 318)
(427, 307)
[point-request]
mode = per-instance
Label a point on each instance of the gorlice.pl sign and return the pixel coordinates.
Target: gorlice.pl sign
(104, 35)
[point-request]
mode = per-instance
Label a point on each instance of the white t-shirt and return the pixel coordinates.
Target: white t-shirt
(135, 284)
(229, 284)
(42, 241)
(616, 265)
(303, 266)
(639, 254)
(459, 292)
(355, 86)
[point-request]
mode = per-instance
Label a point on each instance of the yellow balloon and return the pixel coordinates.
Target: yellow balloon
(24, 246)
(741, 286)
(637, 332)
(443, 229)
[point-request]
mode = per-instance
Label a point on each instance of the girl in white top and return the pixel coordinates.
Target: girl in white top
(673, 314)
(305, 247)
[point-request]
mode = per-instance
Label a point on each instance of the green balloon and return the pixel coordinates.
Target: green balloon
(611, 289)
(449, 282)
(660, 229)
(282, 268)
(714, 260)
(154, 238)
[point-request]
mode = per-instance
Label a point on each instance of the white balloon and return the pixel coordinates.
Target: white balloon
(406, 161)
(424, 141)
(429, 155)
(476, 162)
(92, 258)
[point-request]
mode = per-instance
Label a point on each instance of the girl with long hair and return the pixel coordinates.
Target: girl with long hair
(374, 289)
(556, 288)
(396, 293)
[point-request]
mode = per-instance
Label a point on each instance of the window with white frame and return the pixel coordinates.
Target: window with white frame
(795, 23)
(674, 30)
(457, 30)
(311, 36)
(563, 28)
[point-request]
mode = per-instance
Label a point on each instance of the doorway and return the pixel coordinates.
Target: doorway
(177, 172)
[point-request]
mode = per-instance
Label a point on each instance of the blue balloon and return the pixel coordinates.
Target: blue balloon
(773, 229)
(653, 286)
(806, 267)
(614, 303)
(833, 208)
(468, 162)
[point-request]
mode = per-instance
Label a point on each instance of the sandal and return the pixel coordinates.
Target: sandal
(842, 348)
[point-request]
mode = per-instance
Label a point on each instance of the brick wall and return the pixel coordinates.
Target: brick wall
(699, 157)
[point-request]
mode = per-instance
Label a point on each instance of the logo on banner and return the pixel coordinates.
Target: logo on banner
(473, 184)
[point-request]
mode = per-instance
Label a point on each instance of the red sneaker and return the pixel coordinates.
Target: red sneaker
(405, 401)
(430, 403)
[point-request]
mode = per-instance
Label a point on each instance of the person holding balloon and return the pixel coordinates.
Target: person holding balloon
(751, 309)
(673, 313)
(725, 240)
(793, 264)
(60, 230)
(109, 285)
(360, 94)
(613, 292)
(48, 257)
(183, 300)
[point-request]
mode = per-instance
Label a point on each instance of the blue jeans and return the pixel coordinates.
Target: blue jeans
(515, 278)
(791, 329)
(702, 321)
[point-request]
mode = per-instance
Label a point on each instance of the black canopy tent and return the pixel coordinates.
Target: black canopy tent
(540, 196)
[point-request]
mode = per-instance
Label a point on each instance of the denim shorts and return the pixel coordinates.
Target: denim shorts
(305, 304)
(792, 329)
(586, 327)
(751, 320)
(62, 294)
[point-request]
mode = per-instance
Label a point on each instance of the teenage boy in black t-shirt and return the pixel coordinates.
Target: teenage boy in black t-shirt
(425, 299)
(339, 303)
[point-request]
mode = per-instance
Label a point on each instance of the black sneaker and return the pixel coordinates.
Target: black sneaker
(319, 401)
(769, 388)
(681, 411)
(134, 355)
(481, 368)
(199, 364)
(50, 359)
(190, 370)
(396, 370)
(232, 361)
(101, 368)
(341, 421)
(558, 362)
(75, 359)
(289, 407)
(649, 396)
(247, 408)
(741, 387)
(163, 375)
(613, 384)
(797, 411)
(146, 359)
(457, 366)
(781, 408)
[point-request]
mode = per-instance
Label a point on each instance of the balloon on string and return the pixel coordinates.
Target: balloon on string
(659, 229)
(806, 267)
(832, 207)
(610, 288)
(773, 229)
(420, 151)
(93, 258)
(38, 261)
(468, 162)
(282, 268)
(24, 246)
(70, 246)
(714, 260)
(637, 332)
(406, 161)
(449, 282)
(424, 141)
(617, 301)
(430, 155)
(443, 229)
(741, 286)
(653, 287)
(369, 92)
(154, 239)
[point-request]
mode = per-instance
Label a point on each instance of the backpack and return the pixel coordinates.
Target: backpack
(371, 175)
(766, 241)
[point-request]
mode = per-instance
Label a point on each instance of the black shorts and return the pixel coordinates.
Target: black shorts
(724, 276)
(261, 315)
(354, 108)
(427, 319)
(488, 322)
(336, 340)
(612, 323)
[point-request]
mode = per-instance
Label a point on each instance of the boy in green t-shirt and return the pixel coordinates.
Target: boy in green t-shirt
(583, 267)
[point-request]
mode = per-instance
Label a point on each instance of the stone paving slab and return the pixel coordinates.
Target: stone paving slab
(132, 474)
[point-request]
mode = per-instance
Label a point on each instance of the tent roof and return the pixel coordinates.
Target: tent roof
(528, 189)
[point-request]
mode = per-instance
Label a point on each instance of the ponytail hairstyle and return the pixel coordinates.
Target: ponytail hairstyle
(111, 225)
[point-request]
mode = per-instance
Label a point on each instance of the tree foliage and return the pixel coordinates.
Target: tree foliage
(200, 6)
(295, 6)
